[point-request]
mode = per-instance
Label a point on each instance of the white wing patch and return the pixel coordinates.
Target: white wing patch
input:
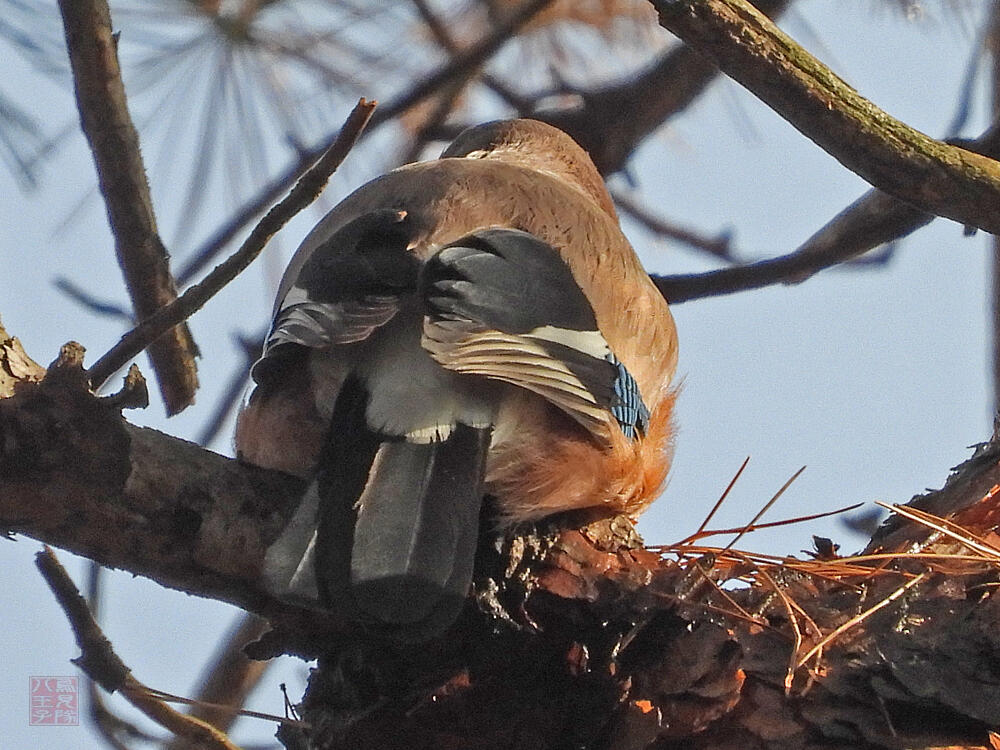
(412, 396)
(523, 360)
(591, 343)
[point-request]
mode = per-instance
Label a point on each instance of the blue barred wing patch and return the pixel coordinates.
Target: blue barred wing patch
(627, 405)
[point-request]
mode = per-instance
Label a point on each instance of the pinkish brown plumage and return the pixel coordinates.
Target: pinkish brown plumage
(486, 308)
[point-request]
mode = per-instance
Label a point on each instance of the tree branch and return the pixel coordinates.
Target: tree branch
(454, 70)
(615, 119)
(305, 192)
(717, 246)
(873, 220)
(133, 498)
(99, 661)
(575, 629)
(932, 176)
(114, 142)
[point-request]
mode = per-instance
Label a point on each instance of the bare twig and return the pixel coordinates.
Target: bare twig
(90, 302)
(229, 679)
(717, 246)
(203, 256)
(933, 176)
(870, 221)
(112, 727)
(305, 191)
(466, 60)
(99, 661)
(439, 30)
(106, 122)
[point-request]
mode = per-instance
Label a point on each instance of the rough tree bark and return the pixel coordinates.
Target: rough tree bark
(577, 636)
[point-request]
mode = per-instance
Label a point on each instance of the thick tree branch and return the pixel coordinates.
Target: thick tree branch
(577, 630)
(114, 142)
(932, 176)
(76, 475)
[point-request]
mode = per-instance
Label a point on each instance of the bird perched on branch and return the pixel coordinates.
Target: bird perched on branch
(472, 325)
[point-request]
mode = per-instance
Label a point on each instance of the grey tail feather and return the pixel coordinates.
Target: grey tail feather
(398, 521)
(289, 565)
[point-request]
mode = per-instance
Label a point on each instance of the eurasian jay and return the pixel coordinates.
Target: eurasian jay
(472, 325)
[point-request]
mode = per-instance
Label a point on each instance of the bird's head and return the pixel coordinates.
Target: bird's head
(537, 145)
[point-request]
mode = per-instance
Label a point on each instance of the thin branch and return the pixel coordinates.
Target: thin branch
(718, 246)
(464, 61)
(100, 662)
(203, 256)
(110, 726)
(875, 219)
(91, 302)
(872, 220)
(439, 30)
(114, 142)
(305, 192)
(453, 70)
(933, 176)
(229, 679)
(446, 98)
